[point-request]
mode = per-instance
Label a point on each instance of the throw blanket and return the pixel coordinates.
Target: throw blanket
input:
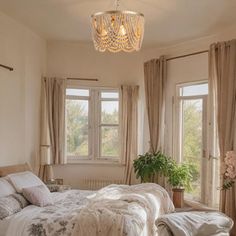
(195, 224)
(119, 210)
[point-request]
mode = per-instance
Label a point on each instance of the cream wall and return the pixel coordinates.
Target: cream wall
(19, 91)
(71, 59)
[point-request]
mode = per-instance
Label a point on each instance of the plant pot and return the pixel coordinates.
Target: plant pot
(178, 197)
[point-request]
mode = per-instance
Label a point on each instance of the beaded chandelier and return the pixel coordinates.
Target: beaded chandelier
(117, 30)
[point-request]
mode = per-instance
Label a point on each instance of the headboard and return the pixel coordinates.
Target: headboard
(6, 170)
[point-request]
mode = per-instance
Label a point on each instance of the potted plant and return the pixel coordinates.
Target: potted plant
(151, 165)
(180, 177)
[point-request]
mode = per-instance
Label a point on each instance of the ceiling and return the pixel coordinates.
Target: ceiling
(166, 21)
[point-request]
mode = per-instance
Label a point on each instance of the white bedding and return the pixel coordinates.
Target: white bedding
(194, 223)
(3, 227)
(114, 210)
(119, 210)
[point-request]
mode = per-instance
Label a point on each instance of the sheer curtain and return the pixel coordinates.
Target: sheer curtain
(129, 124)
(155, 85)
(222, 84)
(52, 140)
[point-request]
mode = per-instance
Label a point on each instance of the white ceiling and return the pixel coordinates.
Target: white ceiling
(166, 21)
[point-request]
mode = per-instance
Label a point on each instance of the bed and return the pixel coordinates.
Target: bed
(113, 210)
(116, 210)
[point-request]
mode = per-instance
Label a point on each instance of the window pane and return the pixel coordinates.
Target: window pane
(77, 92)
(109, 142)
(77, 127)
(192, 141)
(192, 90)
(110, 112)
(110, 95)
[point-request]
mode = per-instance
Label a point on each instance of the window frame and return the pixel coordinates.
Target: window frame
(84, 98)
(94, 126)
(177, 141)
(108, 125)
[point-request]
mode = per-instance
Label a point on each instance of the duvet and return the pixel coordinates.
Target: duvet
(117, 210)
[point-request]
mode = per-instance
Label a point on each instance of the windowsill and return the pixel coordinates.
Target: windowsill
(197, 206)
(94, 162)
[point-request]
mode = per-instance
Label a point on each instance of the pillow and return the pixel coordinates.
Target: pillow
(21, 199)
(38, 195)
(8, 206)
(24, 180)
(6, 188)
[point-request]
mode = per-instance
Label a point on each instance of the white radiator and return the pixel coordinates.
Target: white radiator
(95, 184)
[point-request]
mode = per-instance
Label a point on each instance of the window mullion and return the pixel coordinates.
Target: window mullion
(96, 135)
(108, 125)
(91, 125)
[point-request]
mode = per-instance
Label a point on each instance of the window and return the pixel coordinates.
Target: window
(109, 124)
(192, 146)
(92, 124)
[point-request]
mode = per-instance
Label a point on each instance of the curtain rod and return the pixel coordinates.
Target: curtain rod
(187, 55)
(6, 67)
(87, 79)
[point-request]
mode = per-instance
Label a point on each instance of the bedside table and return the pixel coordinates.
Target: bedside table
(58, 187)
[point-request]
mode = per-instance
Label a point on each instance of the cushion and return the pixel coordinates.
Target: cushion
(38, 195)
(6, 188)
(24, 180)
(8, 206)
(21, 199)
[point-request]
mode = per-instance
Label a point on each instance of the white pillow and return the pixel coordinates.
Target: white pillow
(6, 188)
(24, 180)
(38, 195)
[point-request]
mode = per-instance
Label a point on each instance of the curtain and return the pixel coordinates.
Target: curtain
(52, 140)
(155, 85)
(222, 85)
(129, 123)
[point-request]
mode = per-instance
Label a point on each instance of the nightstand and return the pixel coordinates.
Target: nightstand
(58, 187)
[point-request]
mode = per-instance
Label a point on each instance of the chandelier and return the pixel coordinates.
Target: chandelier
(117, 30)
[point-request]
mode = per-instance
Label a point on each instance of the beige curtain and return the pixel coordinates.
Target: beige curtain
(155, 84)
(52, 124)
(129, 123)
(222, 85)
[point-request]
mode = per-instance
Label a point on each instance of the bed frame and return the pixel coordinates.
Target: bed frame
(6, 170)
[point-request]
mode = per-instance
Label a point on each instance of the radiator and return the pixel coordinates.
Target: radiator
(95, 184)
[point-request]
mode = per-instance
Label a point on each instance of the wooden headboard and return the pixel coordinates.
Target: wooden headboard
(6, 170)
